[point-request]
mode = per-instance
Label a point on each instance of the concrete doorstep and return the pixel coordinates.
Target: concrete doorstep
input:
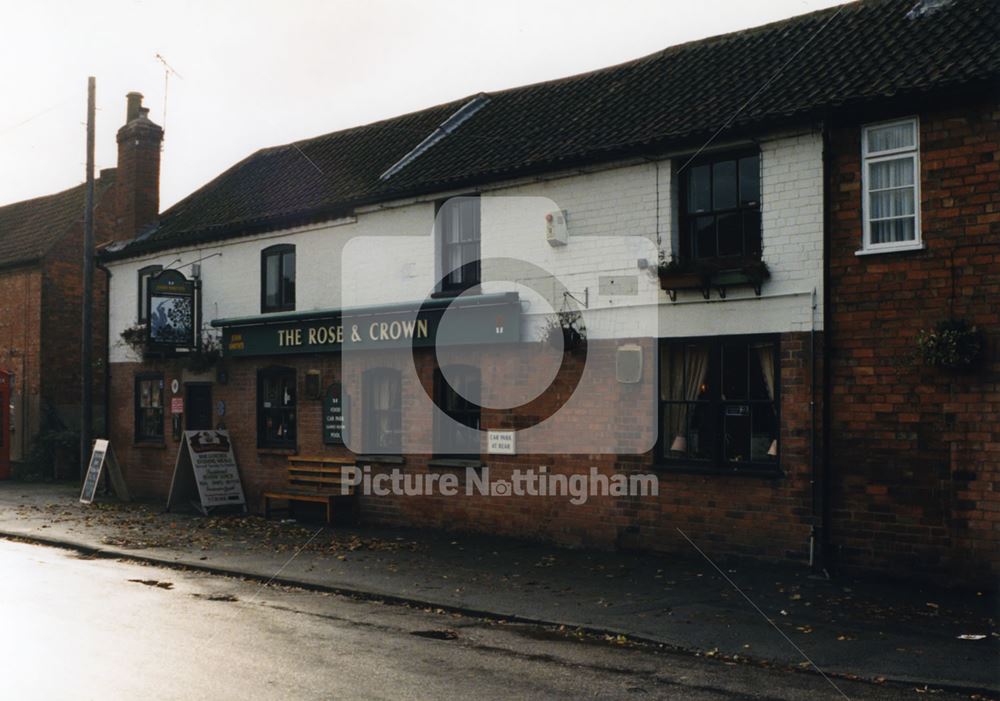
(767, 614)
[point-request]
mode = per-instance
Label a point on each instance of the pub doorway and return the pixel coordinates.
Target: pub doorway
(198, 406)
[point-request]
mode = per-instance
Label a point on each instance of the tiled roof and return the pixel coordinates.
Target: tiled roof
(30, 228)
(780, 72)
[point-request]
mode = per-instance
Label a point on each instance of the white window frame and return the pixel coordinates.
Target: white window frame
(888, 155)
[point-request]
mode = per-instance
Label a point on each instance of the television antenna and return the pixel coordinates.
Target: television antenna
(167, 70)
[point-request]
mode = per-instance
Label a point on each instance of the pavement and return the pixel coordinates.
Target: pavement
(767, 614)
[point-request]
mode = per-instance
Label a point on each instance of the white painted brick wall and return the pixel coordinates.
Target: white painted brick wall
(388, 254)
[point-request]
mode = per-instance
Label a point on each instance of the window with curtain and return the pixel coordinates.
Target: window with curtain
(720, 207)
(383, 410)
(149, 408)
(458, 398)
(276, 414)
(891, 175)
(277, 278)
(719, 402)
(458, 224)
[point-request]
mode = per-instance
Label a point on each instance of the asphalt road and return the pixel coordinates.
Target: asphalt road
(78, 628)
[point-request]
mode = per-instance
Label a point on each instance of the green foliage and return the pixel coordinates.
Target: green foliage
(952, 344)
(48, 447)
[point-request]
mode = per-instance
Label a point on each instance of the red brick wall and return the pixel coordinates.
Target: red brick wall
(20, 348)
(61, 324)
(768, 518)
(916, 449)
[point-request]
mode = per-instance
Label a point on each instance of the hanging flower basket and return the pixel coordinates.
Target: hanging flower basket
(568, 325)
(953, 344)
(135, 338)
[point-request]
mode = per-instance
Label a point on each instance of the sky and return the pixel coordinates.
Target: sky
(255, 73)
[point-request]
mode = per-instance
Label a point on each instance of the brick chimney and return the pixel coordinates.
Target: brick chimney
(137, 192)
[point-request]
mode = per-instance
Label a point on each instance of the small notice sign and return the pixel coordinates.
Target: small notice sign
(177, 405)
(501, 442)
(207, 467)
(103, 453)
(336, 409)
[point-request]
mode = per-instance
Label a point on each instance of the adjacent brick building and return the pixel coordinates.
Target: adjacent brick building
(915, 448)
(41, 254)
(751, 300)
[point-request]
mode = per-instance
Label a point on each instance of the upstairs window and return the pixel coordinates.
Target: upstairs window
(458, 225)
(383, 401)
(276, 415)
(891, 168)
(145, 274)
(277, 278)
(720, 207)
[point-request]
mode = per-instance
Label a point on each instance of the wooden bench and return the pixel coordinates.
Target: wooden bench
(316, 479)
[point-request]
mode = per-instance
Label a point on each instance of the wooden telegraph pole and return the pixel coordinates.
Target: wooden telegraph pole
(87, 339)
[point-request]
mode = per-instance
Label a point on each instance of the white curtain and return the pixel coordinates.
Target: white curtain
(686, 369)
(765, 356)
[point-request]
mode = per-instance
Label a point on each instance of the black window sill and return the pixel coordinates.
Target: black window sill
(694, 469)
(458, 463)
(382, 459)
(155, 444)
(452, 292)
(269, 450)
(276, 310)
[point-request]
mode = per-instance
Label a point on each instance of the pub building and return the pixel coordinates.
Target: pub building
(607, 281)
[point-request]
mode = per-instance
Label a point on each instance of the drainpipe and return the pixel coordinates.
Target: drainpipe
(820, 538)
(107, 348)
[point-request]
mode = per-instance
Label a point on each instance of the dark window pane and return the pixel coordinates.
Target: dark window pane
(730, 235)
(734, 371)
(699, 189)
(701, 432)
(276, 411)
(736, 420)
(704, 237)
(288, 278)
(724, 185)
(764, 433)
(751, 232)
(750, 181)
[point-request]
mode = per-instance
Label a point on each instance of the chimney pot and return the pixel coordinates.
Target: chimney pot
(134, 108)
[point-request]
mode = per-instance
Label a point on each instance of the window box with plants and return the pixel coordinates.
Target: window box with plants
(685, 274)
(718, 273)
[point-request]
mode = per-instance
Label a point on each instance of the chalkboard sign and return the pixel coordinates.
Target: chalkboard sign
(206, 468)
(103, 452)
(93, 477)
(336, 410)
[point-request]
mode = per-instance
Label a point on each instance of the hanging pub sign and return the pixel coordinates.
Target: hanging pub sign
(170, 311)
(336, 410)
(480, 319)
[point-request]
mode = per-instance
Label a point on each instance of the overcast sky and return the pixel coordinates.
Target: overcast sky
(259, 73)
